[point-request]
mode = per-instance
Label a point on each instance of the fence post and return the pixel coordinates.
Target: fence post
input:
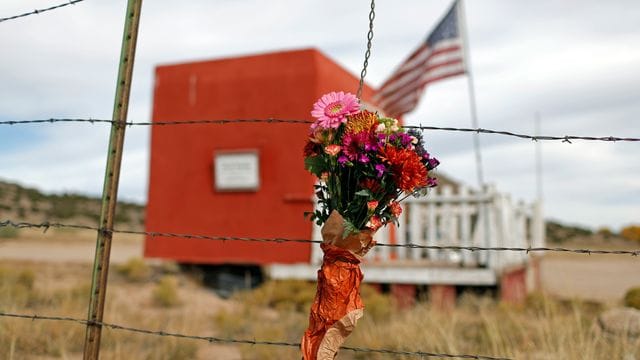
(112, 175)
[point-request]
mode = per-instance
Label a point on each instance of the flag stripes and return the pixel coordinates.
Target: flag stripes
(441, 56)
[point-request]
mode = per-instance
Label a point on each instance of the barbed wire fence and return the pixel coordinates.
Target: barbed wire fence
(40, 11)
(109, 230)
(153, 234)
(563, 138)
(212, 339)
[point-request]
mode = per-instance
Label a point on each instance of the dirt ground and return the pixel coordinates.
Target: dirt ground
(603, 278)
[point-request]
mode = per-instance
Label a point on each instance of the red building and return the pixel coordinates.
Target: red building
(236, 179)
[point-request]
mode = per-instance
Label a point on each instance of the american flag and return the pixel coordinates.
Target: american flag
(439, 57)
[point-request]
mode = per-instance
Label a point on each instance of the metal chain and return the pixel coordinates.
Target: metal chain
(363, 73)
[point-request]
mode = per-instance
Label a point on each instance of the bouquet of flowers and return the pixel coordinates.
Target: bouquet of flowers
(365, 163)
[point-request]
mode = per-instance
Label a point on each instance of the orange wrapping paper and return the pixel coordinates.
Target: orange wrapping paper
(337, 305)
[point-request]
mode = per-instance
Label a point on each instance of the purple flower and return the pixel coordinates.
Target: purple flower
(342, 160)
(380, 169)
(363, 158)
(433, 162)
(405, 139)
(431, 182)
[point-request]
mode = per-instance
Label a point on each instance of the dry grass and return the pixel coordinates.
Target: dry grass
(165, 293)
(135, 270)
(128, 303)
(542, 329)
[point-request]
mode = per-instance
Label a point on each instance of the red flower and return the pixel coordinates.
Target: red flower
(406, 168)
(371, 185)
(311, 149)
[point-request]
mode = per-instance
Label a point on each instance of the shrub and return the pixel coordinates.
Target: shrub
(181, 350)
(376, 305)
(7, 232)
(632, 298)
(26, 278)
(605, 232)
(293, 295)
(631, 233)
(170, 267)
(166, 292)
(16, 288)
(558, 233)
(135, 270)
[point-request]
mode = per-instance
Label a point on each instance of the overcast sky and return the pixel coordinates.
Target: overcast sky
(575, 62)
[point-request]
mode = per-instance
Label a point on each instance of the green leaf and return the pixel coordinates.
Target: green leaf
(364, 192)
(316, 165)
(349, 228)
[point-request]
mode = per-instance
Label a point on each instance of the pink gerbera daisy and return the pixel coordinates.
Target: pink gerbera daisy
(332, 109)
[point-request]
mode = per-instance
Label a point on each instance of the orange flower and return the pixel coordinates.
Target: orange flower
(407, 169)
(374, 223)
(396, 209)
(362, 121)
(321, 136)
(372, 205)
(332, 149)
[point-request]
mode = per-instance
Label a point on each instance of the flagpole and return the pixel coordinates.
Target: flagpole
(538, 159)
(462, 27)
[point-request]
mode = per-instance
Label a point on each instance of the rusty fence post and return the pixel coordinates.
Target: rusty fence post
(112, 176)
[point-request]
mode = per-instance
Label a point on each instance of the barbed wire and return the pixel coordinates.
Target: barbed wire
(212, 339)
(40, 11)
(563, 138)
(46, 225)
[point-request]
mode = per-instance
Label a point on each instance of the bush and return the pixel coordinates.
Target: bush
(558, 233)
(632, 298)
(605, 232)
(293, 295)
(376, 305)
(166, 292)
(135, 270)
(8, 232)
(631, 233)
(16, 288)
(26, 278)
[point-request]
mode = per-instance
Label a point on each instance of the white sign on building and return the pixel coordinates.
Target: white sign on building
(236, 170)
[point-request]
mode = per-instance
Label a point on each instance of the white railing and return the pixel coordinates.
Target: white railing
(458, 218)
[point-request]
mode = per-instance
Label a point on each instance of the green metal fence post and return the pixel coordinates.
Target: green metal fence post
(112, 175)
